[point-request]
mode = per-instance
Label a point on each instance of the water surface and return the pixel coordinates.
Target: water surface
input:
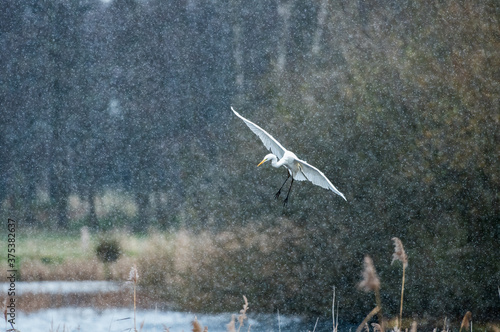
(73, 318)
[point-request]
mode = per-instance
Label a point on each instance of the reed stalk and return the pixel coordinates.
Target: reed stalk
(333, 310)
(134, 277)
(400, 255)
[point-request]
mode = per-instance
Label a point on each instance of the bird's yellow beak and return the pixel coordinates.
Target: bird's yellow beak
(262, 162)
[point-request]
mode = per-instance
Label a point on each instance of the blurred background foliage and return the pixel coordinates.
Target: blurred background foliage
(117, 114)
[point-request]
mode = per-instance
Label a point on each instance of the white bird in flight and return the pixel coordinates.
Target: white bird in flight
(298, 169)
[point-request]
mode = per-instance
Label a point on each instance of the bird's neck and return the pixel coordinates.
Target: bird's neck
(275, 162)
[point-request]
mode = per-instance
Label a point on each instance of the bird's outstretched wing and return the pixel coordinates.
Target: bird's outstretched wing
(317, 177)
(269, 142)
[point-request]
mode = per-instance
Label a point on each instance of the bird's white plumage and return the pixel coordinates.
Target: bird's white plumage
(298, 169)
(318, 178)
(269, 142)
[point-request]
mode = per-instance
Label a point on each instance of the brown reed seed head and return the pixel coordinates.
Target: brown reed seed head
(370, 280)
(399, 252)
(133, 275)
(466, 320)
(196, 325)
(242, 316)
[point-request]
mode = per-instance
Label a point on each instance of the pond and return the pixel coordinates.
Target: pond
(121, 318)
(62, 287)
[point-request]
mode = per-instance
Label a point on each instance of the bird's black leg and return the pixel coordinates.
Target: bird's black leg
(279, 191)
(290, 189)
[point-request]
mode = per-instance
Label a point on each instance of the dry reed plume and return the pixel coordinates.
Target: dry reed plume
(371, 282)
(243, 313)
(231, 327)
(400, 255)
(466, 321)
(197, 326)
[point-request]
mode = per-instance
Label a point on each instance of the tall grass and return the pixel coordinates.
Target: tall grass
(191, 270)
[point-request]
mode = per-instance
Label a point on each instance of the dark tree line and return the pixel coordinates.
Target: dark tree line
(396, 101)
(96, 96)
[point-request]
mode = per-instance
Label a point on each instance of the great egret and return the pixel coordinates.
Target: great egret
(298, 169)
